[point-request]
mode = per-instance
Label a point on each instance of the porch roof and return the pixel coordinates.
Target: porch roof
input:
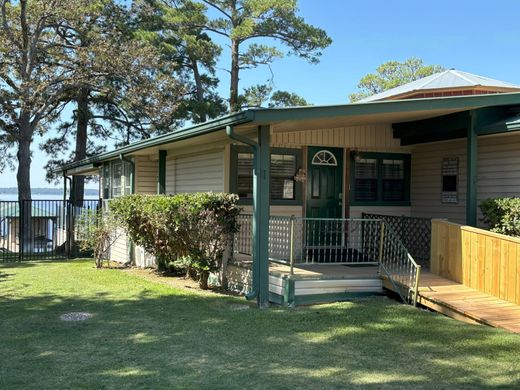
(311, 117)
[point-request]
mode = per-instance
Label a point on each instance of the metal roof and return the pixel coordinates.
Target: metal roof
(448, 79)
(390, 111)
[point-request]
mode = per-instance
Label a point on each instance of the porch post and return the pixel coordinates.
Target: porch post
(471, 192)
(261, 200)
(161, 179)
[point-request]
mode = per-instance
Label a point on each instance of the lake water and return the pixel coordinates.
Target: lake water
(10, 197)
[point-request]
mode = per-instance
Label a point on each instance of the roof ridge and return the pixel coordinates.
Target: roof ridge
(437, 75)
(458, 73)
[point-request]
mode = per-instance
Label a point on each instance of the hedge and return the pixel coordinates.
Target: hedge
(502, 215)
(188, 229)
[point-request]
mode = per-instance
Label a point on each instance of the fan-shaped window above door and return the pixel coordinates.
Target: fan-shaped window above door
(325, 157)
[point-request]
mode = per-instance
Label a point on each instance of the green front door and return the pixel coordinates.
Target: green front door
(324, 200)
(324, 182)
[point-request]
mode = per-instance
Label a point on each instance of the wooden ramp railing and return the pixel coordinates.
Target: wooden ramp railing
(479, 259)
(475, 275)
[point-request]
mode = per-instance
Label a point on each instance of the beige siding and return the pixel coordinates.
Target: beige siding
(199, 173)
(499, 166)
(146, 175)
(498, 174)
(119, 248)
(426, 181)
(371, 137)
(170, 176)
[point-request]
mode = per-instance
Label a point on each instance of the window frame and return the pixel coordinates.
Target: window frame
(233, 175)
(456, 200)
(108, 185)
(379, 157)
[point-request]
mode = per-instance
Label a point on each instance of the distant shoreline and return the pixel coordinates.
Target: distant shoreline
(45, 191)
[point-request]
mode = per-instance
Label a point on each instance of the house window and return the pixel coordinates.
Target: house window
(380, 179)
(284, 166)
(116, 179)
(450, 173)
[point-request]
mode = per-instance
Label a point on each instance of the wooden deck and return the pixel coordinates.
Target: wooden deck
(325, 271)
(464, 303)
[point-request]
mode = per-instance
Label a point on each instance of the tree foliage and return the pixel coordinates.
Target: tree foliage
(132, 94)
(249, 25)
(502, 215)
(261, 94)
(392, 74)
(175, 28)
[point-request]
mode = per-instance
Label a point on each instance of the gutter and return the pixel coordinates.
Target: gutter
(230, 132)
(186, 133)
(131, 245)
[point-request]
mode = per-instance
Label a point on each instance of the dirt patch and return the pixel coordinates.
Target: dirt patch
(176, 281)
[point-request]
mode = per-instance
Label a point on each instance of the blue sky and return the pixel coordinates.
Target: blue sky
(481, 37)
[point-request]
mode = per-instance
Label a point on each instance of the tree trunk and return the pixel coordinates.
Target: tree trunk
(199, 90)
(23, 178)
(233, 88)
(78, 182)
(203, 281)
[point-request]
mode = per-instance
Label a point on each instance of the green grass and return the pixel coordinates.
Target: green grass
(149, 335)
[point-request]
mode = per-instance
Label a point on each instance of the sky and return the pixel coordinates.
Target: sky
(477, 36)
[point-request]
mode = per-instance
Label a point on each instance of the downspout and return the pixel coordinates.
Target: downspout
(65, 178)
(123, 158)
(256, 264)
(67, 214)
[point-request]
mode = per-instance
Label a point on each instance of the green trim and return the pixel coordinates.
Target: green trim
(233, 175)
(267, 116)
(161, 178)
(262, 178)
(277, 299)
(383, 107)
(380, 157)
(471, 192)
(173, 136)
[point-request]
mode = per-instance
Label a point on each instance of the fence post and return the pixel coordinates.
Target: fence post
(381, 241)
(416, 286)
(20, 230)
(291, 250)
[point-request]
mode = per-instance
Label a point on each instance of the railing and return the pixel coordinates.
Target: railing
(413, 232)
(295, 241)
(398, 265)
(41, 229)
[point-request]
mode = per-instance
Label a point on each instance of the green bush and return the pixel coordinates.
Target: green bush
(188, 229)
(502, 215)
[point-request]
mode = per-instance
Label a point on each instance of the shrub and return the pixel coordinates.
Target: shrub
(502, 215)
(95, 233)
(188, 229)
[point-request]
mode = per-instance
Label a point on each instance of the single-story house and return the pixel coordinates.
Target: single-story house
(433, 148)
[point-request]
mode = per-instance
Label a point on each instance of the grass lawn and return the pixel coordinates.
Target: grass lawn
(150, 335)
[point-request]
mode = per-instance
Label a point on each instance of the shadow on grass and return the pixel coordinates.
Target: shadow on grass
(163, 338)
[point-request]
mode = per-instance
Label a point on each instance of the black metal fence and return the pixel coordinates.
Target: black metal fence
(43, 229)
(415, 233)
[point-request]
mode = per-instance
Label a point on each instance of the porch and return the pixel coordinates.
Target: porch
(313, 260)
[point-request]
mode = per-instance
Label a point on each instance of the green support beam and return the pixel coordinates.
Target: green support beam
(472, 151)
(161, 182)
(262, 213)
